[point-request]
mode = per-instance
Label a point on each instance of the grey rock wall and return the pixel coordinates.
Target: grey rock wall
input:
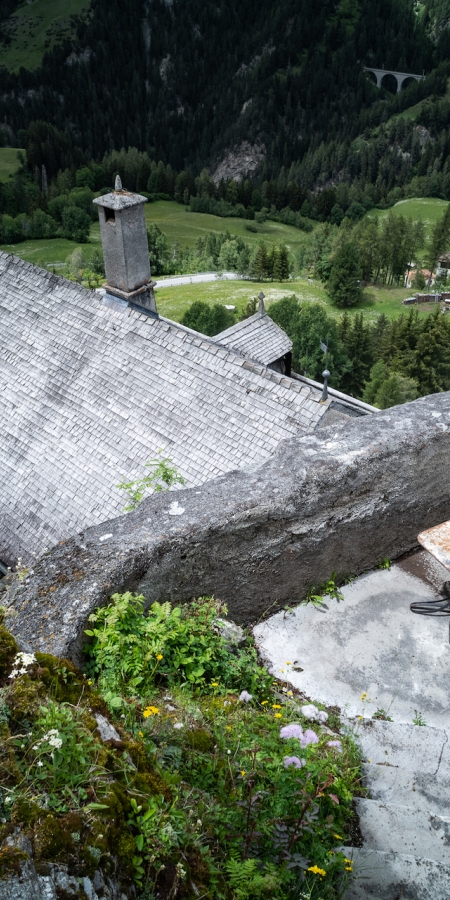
(56, 884)
(337, 500)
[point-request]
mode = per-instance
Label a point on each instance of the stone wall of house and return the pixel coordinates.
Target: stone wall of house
(337, 500)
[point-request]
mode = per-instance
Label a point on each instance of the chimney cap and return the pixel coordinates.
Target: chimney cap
(119, 199)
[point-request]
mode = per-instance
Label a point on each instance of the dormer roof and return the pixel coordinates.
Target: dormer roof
(258, 338)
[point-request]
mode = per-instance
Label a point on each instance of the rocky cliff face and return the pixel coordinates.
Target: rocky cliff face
(240, 162)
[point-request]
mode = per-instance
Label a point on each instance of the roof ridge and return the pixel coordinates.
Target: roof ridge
(247, 362)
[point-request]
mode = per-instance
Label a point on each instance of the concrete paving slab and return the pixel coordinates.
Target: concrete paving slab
(409, 747)
(369, 642)
(391, 784)
(390, 876)
(404, 830)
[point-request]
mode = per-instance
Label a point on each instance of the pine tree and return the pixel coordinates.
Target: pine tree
(260, 264)
(343, 284)
(357, 341)
(281, 264)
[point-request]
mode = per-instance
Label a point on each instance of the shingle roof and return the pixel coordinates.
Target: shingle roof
(90, 389)
(257, 337)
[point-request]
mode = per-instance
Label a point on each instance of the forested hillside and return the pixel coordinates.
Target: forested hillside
(186, 80)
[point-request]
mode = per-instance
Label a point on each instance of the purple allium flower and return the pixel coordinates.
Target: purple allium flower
(245, 696)
(336, 744)
(309, 737)
(291, 731)
(294, 761)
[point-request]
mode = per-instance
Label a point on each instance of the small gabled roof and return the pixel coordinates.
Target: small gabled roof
(258, 338)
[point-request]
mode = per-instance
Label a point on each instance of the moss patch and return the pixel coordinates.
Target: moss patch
(11, 860)
(8, 650)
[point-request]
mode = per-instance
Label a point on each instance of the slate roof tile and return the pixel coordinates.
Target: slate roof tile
(89, 393)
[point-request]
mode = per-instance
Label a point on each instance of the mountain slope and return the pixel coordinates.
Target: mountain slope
(188, 80)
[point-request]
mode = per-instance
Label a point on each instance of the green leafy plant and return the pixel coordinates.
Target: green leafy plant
(134, 652)
(163, 476)
(250, 880)
(382, 714)
(60, 756)
(418, 718)
(316, 595)
(385, 563)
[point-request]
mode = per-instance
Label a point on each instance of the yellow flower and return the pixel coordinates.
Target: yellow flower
(363, 696)
(316, 870)
(349, 861)
(289, 664)
(214, 684)
(338, 836)
(289, 694)
(228, 727)
(150, 711)
(276, 706)
(242, 772)
(140, 734)
(159, 656)
(360, 717)
(263, 702)
(349, 868)
(277, 716)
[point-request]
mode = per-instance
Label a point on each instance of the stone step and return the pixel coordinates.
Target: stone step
(389, 826)
(423, 791)
(381, 875)
(412, 748)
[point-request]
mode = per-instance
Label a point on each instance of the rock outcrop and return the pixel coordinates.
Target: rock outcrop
(337, 500)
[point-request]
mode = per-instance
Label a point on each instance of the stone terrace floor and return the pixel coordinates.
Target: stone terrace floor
(370, 643)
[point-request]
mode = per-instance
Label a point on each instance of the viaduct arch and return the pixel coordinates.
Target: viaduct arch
(399, 76)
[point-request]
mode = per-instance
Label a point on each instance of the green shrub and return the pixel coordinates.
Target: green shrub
(132, 652)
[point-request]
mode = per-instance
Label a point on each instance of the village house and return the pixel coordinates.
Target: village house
(92, 387)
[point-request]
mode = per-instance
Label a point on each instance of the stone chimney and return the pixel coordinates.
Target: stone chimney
(125, 247)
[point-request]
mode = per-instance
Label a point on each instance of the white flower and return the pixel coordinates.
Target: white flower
(178, 725)
(22, 660)
(55, 742)
(245, 696)
(39, 763)
(9, 799)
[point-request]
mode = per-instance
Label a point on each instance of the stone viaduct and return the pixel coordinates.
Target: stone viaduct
(400, 77)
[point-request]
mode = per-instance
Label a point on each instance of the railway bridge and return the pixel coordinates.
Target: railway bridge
(400, 77)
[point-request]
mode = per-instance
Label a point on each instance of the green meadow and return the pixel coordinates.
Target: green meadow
(427, 209)
(9, 164)
(35, 28)
(52, 253)
(186, 227)
(173, 302)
